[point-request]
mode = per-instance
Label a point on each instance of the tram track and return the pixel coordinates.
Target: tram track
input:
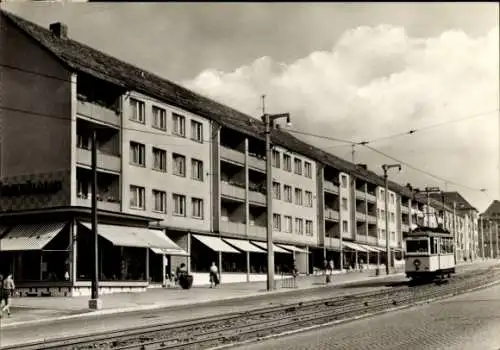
(236, 327)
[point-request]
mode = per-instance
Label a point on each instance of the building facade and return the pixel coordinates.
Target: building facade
(180, 179)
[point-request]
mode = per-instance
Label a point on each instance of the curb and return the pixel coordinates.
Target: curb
(198, 303)
(354, 318)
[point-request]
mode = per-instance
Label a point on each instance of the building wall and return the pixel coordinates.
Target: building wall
(346, 214)
(35, 122)
(304, 212)
(166, 181)
(392, 204)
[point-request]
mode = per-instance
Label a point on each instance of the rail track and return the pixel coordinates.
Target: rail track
(235, 327)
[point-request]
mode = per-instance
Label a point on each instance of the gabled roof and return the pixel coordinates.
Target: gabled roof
(82, 58)
(493, 208)
(454, 197)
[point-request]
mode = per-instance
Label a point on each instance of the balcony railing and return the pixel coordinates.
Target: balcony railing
(232, 155)
(329, 186)
(371, 218)
(232, 227)
(104, 160)
(102, 203)
(257, 197)
(331, 214)
(235, 191)
(95, 111)
(405, 228)
(404, 209)
(371, 197)
(257, 231)
(360, 216)
(360, 194)
(331, 242)
(257, 163)
(371, 239)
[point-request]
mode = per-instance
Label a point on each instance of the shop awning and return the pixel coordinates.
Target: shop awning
(369, 248)
(245, 246)
(30, 236)
(382, 249)
(353, 246)
(122, 236)
(293, 248)
(216, 244)
(164, 244)
(276, 249)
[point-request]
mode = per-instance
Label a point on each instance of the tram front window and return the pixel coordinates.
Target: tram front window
(417, 246)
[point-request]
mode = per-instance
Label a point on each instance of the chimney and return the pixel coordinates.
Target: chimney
(364, 166)
(59, 29)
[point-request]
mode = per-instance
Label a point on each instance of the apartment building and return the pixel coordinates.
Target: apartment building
(180, 178)
(489, 228)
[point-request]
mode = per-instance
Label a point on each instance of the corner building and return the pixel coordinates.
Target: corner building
(180, 178)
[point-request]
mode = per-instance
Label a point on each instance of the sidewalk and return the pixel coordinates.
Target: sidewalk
(34, 310)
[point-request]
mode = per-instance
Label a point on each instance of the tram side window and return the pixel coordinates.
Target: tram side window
(434, 245)
(446, 246)
(416, 246)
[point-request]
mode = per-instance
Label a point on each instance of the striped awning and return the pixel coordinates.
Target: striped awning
(369, 248)
(245, 246)
(216, 244)
(276, 249)
(354, 246)
(161, 244)
(30, 236)
(293, 248)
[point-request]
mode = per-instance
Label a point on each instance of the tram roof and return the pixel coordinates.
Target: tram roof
(430, 231)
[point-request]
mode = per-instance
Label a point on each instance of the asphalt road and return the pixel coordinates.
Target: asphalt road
(466, 322)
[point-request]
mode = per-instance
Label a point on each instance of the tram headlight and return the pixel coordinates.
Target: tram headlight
(417, 264)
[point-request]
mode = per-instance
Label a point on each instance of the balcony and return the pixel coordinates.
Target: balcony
(232, 227)
(361, 238)
(332, 243)
(360, 216)
(257, 163)
(372, 219)
(111, 205)
(104, 160)
(257, 197)
(371, 240)
(232, 155)
(371, 197)
(331, 214)
(95, 111)
(257, 231)
(232, 191)
(405, 228)
(329, 186)
(360, 194)
(404, 209)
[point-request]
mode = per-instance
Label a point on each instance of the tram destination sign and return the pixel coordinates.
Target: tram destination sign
(30, 188)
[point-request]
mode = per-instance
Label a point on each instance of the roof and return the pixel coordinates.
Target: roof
(493, 208)
(458, 199)
(82, 58)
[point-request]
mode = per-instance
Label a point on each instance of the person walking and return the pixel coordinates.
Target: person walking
(214, 275)
(8, 292)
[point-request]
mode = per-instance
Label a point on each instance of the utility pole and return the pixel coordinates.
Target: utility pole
(94, 302)
(386, 167)
(268, 120)
(455, 229)
(482, 235)
(496, 238)
(491, 237)
(428, 191)
(353, 153)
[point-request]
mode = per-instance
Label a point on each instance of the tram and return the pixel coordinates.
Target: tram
(429, 254)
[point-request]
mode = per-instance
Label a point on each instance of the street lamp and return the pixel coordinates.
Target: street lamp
(386, 167)
(268, 120)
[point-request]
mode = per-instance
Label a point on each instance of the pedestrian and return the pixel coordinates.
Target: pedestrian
(8, 292)
(325, 266)
(2, 301)
(214, 275)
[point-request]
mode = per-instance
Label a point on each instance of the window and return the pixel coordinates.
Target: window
(297, 163)
(309, 228)
(309, 199)
(382, 194)
(196, 169)
(343, 180)
(298, 196)
(137, 111)
(179, 165)
(393, 217)
(299, 226)
(83, 142)
(160, 201)
(277, 222)
(137, 200)
(137, 153)
(179, 204)
(345, 226)
(307, 170)
(276, 190)
(392, 198)
(197, 207)
(393, 236)
(196, 131)
(382, 212)
(159, 118)
(287, 193)
(344, 203)
(179, 124)
(288, 224)
(276, 159)
(287, 162)
(159, 159)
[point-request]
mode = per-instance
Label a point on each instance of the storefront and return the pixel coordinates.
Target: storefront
(50, 252)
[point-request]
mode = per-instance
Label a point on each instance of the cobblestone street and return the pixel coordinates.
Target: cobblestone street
(468, 322)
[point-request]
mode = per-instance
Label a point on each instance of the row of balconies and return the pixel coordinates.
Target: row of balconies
(234, 156)
(237, 192)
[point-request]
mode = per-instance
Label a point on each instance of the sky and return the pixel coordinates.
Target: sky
(356, 72)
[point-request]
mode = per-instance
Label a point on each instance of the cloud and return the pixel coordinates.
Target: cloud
(377, 81)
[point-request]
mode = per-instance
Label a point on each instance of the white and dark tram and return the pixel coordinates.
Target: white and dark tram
(429, 254)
